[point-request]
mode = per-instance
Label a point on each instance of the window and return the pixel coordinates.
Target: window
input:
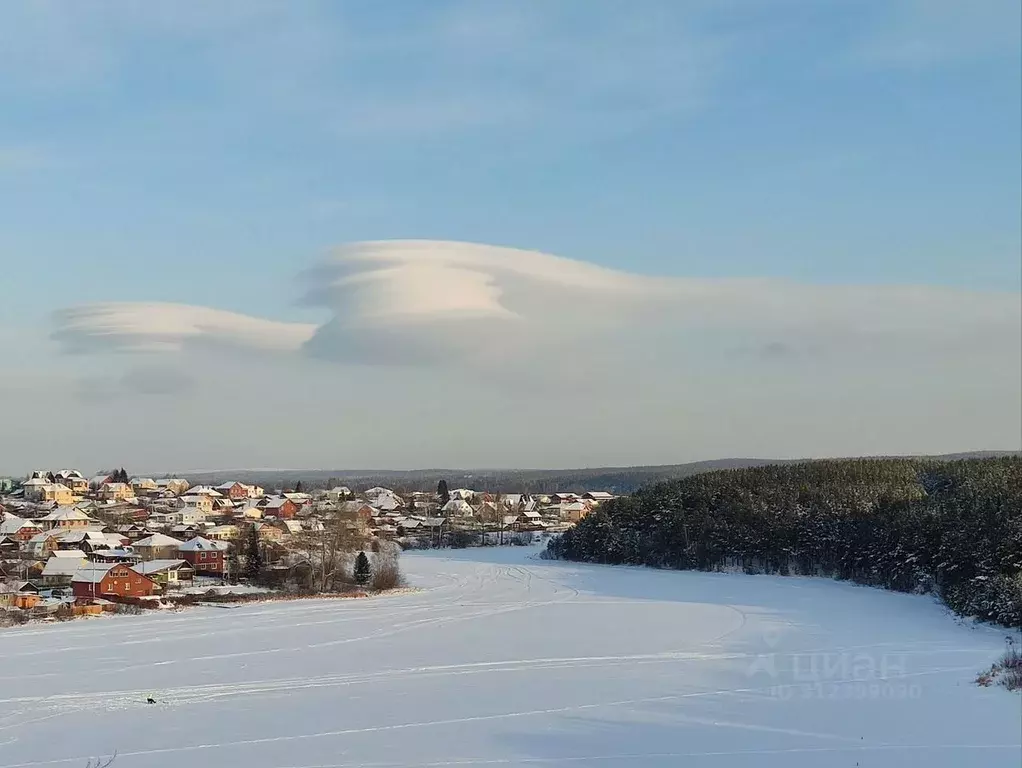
(202, 555)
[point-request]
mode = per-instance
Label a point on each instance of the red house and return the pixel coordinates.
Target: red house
(111, 580)
(281, 507)
(234, 491)
(206, 557)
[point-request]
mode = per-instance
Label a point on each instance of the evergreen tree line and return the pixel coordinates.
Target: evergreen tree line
(952, 528)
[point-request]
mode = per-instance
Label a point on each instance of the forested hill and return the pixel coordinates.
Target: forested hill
(950, 527)
(613, 479)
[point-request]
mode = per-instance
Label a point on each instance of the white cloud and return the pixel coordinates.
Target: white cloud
(469, 305)
(156, 327)
(474, 355)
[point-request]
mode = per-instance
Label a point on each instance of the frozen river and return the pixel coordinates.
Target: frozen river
(501, 659)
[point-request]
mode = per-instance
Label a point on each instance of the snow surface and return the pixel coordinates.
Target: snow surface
(502, 659)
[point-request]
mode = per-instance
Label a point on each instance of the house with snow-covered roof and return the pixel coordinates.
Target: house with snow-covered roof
(457, 508)
(61, 567)
(158, 546)
(107, 580)
(66, 518)
(166, 573)
(19, 528)
(207, 557)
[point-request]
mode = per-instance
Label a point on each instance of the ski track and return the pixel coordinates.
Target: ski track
(527, 663)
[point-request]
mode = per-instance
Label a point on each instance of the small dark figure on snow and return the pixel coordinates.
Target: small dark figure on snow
(150, 700)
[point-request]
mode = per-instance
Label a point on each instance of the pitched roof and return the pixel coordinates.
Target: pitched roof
(67, 553)
(155, 566)
(65, 513)
(13, 524)
(93, 573)
(199, 543)
(63, 566)
(158, 540)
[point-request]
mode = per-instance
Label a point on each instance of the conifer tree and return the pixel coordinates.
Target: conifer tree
(363, 570)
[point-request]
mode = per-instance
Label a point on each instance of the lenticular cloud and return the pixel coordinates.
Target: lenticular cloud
(156, 327)
(450, 303)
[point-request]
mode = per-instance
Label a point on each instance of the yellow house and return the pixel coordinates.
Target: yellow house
(66, 518)
(78, 485)
(57, 492)
(143, 484)
(200, 502)
(116, 492)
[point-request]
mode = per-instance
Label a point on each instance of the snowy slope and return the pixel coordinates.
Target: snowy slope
(505, 660)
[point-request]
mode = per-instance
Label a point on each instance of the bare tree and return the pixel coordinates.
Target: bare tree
(329, 551)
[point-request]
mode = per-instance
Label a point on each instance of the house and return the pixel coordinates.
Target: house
(42, 544)
(166, 573)
(143, 485)
(221, 533)
(118, 555)
(66, 518)
(115, 492)
(514, 500)
(9, 546)
(456, 508)
(61, 567)
(32, 488)
(574, 511)
(111, 580)
(528, 521)
(134, 531)
(597, 496)
(185, 531)
(462, 494)
(89, 540)
(58, 493)
(172, 485)
(73, 479)
(249, 510)
(19, 594)
(98, 482)
(203, 490)
(267, 532)
(384, 499)
(338, 493)
(279, 506)
(233, 490)
(356, 511)
(158, 546)
(206, 557)
(18, 528)
(563, 498)
(200, 504)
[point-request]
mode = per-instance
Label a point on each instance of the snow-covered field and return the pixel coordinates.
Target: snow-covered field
(506, 660)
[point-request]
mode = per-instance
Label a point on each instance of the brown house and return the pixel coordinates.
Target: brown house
(111, 580)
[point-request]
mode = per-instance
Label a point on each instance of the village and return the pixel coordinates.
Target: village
(72, 545)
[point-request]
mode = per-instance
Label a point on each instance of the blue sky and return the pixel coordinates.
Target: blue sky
(208, 153)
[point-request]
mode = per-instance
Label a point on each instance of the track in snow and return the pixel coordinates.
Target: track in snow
(506, 660)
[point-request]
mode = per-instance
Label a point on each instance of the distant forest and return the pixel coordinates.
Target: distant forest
(617, 480)
(952, 528)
